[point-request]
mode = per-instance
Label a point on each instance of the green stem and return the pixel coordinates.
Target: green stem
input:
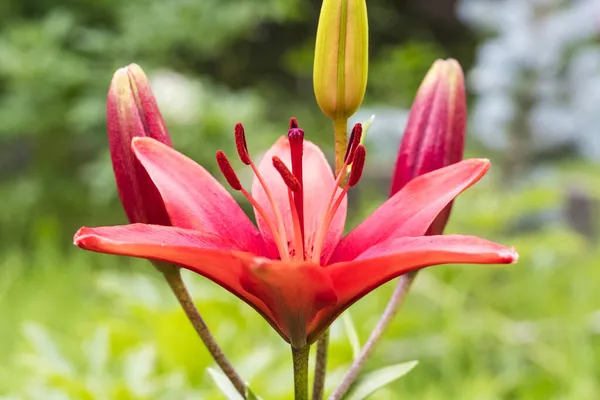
(340, 129)
(320, 366)
(173, 276)
(300, 359)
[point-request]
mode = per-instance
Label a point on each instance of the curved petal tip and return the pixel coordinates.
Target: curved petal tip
(510, 255)
(80, 235)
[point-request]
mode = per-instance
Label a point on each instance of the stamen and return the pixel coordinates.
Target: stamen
(281, 245)
(326, 222)
(240, 143)
(357, 165)
(229, 174)
(227, 171)
(296, 139)
(242, 148)
(354, 141)
(332, 207)
(289, 178)
(278, 218)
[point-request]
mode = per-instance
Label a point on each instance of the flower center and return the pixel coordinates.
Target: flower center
(296, 249)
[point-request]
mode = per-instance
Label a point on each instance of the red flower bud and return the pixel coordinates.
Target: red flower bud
(131, 111)
(435, 132)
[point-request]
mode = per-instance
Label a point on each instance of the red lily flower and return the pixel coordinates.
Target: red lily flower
(296, 270)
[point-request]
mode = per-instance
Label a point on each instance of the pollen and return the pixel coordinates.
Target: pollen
(240, 143)
(227, 171)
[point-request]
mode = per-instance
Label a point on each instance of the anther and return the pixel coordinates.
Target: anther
(293, 123)
(240, 143)
(227, 171)
(357, 165)
(355, 137)
(289, 178)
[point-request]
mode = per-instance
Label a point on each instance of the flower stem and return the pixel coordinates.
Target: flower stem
(320, 366)
(300, 359)
(173, 276)
(340, 130)
(391, 309)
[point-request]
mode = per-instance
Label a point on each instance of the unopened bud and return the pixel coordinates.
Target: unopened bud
(131, 111)
(435, 133)
(341, 57)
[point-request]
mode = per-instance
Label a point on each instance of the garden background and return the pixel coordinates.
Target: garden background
(79, 325)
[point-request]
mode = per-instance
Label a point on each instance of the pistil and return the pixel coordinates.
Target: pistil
(296, 139)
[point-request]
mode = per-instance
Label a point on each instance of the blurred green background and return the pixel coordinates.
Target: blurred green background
(78, 325)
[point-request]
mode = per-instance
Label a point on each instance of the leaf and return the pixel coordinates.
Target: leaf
(97, 351)
(250, 394)
(138, 368)
(352, 334)
(366, 126)
(46, 349)
(225, 384)
(375, 380)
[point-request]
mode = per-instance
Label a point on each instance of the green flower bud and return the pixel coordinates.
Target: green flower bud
(341, 57)
(341, 65)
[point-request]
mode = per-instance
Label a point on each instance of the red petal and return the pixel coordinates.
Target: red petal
(411, 211)
(288, 296)
(318, 182)
(294, 293)
(203, 253)
(194, 199)
(392, 258)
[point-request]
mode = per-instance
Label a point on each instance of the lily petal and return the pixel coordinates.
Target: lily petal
(287, 295)
(194, 199)
(319, 182)
(294, 293)
(203, 253)
(411, 211)
(354, 279)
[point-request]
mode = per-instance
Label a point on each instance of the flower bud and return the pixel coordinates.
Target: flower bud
(131, 111)
(435, 133)
(341, 57)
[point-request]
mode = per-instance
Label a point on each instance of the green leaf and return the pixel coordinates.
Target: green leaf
(375, 380)
(224, 384)
(352, 334)
(366, 125)
(250, 394)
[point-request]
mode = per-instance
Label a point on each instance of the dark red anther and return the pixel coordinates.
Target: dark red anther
(293, 123)
(227, 171)
(355, 137)
(357, 165)
(240, 143)
(289, 178)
